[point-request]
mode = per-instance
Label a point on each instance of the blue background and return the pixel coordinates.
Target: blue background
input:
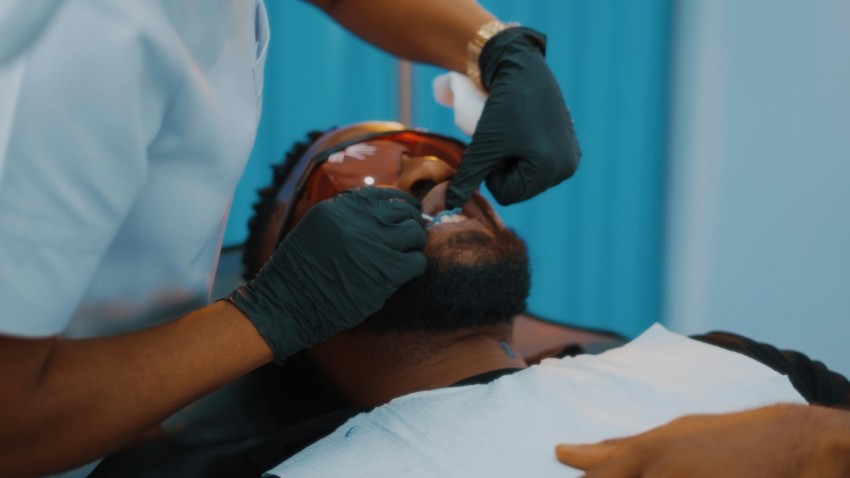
(596, 241)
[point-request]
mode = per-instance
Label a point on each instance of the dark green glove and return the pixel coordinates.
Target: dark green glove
(524, 142)
(338, 266)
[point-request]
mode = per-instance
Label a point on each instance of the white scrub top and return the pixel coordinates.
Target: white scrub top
(123, 132)
(21, 23)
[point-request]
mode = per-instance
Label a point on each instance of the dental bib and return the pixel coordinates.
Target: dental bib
(510, 426)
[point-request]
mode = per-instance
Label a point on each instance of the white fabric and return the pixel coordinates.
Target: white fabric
(21, 23)
(458, 92)
(123, 132)
(11, 75)
(510, 427)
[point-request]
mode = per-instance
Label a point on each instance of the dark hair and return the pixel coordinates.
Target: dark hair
(265, 206)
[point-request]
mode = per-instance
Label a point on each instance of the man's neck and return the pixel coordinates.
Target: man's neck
(370, 369)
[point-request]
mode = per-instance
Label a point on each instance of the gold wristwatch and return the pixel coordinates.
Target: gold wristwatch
(474, 47)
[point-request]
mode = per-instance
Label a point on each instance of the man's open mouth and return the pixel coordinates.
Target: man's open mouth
(444, 217)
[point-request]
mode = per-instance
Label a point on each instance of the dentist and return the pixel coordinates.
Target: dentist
(124, 128)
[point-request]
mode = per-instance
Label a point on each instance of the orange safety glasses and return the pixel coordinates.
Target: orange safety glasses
(410, 160)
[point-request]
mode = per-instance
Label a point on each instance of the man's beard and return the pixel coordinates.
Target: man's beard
(472, 280)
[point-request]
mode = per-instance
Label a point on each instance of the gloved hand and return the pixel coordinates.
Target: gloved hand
(524, 142)
(336, 267)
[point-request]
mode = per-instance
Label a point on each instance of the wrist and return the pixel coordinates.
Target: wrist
(267, 317)
(262, 349)
(510, 46)
(474, 47)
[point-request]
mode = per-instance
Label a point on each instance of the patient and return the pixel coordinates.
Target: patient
(454, 322)
(455, 326)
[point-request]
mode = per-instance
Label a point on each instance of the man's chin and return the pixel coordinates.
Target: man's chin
(473, 279)
(464, 247)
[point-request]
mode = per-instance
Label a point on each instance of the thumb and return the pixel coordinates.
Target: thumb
(475, 166)
(584, 457)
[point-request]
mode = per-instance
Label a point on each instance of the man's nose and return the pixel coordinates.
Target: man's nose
(421, 173)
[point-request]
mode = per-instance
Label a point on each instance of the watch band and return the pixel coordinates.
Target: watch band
(474, 47)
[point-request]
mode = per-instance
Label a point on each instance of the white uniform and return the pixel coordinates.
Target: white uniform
(510, 426)
(21, 23)
(124, 129)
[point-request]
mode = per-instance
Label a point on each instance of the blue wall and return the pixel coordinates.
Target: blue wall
(596, 240)
(759, 225)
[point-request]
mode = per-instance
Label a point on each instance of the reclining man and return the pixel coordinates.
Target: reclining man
(451, 329)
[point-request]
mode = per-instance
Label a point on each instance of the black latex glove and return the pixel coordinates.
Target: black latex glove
(338, 266)
(524, 142)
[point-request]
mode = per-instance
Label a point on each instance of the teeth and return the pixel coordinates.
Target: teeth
(452, 218)
(453, 215)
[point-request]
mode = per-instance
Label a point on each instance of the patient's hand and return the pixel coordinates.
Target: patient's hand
(775, 441)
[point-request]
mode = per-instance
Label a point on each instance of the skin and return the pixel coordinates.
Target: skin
(368, 370)
(65, 402)
(777, 441)
(400, 26)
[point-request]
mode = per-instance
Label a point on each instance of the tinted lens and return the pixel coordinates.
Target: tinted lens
(407, 160)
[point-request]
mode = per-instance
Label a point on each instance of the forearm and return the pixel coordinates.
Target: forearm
(432, 31)
(85, 398)
(784, 440)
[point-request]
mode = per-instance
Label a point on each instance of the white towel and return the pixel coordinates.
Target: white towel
(457, 91)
